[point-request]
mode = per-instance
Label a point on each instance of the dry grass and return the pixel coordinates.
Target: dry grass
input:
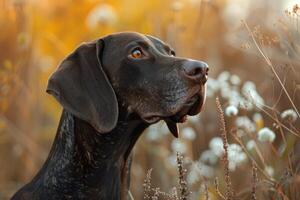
(254, 182)
(181, 192)
(229, 194)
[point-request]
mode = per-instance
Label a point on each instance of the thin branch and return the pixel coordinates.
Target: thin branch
(267, 59)
(269, 115)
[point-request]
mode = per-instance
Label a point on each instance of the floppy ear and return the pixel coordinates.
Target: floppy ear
(81, 86)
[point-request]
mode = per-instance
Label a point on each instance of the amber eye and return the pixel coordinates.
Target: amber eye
(137, 53)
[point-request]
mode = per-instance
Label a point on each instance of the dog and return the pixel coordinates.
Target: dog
(111, 89)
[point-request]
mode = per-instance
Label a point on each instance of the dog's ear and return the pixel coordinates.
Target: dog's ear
(81, 86)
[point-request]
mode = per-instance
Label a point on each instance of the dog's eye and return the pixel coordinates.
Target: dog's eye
(137, 53)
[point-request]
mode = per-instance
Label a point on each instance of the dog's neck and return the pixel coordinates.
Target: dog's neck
(85, 164)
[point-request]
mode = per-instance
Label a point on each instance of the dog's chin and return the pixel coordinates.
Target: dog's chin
(191, 107)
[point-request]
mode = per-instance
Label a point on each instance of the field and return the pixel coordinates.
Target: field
(243, 145)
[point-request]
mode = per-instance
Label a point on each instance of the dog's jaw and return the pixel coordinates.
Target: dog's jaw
(191, 107)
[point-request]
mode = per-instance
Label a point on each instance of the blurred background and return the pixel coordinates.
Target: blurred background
(249, 44)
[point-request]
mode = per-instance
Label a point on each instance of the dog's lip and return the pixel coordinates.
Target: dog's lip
(192, 107)
(152, 118)
(188, 108)
(178, 117)
(198, 105)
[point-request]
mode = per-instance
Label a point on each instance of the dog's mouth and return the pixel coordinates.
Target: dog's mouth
(192, 107)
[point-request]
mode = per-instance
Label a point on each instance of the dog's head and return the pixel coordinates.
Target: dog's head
(139, 71)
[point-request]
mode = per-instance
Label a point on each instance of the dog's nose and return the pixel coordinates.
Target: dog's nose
(196, 70)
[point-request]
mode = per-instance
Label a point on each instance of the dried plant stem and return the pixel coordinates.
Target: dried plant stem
(184, 193)
(147, 185)
(130, 195)
(173, 195)
(217, 189)
(260, 155)
(281, 131)
(268, 61)
(273, 118)
(206, 191)
(156, 194)
(279, 123)
(290, 165)
(229, 190)
(252, 159)
(280, 94)
(254, 181)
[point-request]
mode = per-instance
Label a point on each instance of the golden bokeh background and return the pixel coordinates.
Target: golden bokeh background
(36, 35)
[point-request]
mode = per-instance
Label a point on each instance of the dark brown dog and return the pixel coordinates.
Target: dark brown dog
(111, 90)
